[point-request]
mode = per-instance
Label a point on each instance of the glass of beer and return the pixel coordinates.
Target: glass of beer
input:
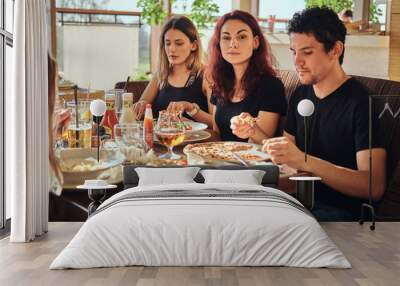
(79, 131)
(84, 115)
(170, 132)
(79, 136)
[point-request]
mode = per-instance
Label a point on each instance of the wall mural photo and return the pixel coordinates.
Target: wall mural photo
(225, 105)
(185, 139)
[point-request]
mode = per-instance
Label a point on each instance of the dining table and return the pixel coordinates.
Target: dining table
(114, 175)
(60, 206)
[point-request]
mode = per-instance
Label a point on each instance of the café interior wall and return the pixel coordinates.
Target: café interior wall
(98, 55)
(103, 55)
(365, 55)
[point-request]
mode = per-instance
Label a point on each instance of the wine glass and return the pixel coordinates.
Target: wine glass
(170, 132)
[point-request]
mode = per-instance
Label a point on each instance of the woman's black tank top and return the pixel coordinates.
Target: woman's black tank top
(191, 92)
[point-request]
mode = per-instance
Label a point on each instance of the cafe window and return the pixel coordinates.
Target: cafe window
(6, 43)
(275, 14)
(381, 9)
(100, 43)
(184, 7)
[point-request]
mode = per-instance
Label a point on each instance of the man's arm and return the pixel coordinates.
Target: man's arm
(347, 181)
(354, 183)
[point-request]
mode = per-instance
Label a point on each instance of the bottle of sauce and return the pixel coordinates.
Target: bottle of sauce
(148, 128)
(127, 115)
(109, 118)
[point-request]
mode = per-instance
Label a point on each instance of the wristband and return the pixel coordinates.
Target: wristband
(194, 111)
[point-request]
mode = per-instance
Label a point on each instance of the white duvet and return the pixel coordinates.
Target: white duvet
(219, 231)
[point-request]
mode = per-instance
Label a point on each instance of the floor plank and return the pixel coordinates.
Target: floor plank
(374, 255)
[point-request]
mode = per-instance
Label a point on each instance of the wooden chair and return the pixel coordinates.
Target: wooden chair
(136, 87)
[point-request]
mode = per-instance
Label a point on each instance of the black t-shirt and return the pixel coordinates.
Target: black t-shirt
(192, 93)
(338, 129)
(267, 95)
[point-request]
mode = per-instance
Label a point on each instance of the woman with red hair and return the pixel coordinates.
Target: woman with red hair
(248, 96)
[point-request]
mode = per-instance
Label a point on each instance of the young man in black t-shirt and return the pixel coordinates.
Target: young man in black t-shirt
(338, 139)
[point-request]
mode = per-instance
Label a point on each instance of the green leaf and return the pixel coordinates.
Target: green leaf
(152, 11)
(202, 13)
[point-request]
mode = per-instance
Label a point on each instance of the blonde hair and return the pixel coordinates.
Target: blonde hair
(52, 88)
(186, 26)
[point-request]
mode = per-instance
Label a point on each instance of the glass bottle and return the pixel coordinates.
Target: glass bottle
(148, 128)
(127, 116)
(109, 118)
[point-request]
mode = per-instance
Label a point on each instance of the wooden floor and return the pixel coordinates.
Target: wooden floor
(375, 257)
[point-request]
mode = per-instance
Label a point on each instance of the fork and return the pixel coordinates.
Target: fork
(240, 159)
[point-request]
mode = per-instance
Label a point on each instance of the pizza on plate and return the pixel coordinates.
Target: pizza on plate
(250, 157)
(221, 150)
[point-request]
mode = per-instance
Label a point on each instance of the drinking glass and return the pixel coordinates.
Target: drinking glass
(79, 136)
(118, 100)
(84, 115)
(129, 139)
(170, 132)
(79, 131)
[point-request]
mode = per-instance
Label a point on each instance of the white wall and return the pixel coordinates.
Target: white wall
(99, 54)
(364, 55)
(103, 55)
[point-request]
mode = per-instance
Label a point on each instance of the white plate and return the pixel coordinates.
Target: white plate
(191, 137)
(196, 136)
(196, 126)
(247, 155)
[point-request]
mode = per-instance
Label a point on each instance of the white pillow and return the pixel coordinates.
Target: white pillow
(166, 176)
(248, 177)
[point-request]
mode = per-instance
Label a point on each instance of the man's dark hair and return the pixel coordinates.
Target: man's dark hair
(348, 13)
(323, 23)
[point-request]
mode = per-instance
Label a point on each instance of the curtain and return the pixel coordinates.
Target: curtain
(26, 121)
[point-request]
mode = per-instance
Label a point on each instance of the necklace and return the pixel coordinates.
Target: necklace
(238, 95)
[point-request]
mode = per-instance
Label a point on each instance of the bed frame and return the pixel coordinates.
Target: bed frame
(270, 179)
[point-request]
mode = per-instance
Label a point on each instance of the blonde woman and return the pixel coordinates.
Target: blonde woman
(179, 84)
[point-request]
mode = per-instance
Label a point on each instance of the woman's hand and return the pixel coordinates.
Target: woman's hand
(179, 106)
(139, 108)
(62, 117)
(243, 125)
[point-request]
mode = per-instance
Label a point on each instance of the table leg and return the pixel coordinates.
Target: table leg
(305, 193)
(96, 196)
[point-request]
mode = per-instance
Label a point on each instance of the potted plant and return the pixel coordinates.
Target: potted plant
(374, 12)
(202, 12)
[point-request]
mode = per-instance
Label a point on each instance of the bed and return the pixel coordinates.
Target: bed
(201, 224)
